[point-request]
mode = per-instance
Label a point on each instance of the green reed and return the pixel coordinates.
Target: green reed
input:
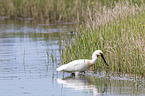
(115, 27)
(118, 32)
(50, 10)
(54, 10)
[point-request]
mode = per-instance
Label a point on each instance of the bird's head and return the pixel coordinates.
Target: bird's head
(98, 53)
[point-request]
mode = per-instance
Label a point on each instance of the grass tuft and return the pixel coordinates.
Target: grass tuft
(118, 32)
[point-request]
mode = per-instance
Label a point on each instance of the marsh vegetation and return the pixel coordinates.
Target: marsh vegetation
(114, 26)
(32, 47)
(118, 31)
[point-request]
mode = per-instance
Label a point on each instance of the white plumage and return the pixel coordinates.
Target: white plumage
(81, 65)
(74, 66)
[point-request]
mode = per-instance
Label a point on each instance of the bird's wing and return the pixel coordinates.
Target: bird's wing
(76, 66)
(62, 68)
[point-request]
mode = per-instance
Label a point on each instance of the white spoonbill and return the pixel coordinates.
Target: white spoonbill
(81, 65)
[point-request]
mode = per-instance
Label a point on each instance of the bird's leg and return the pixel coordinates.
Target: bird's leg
(63, 74)
(77, 74)
(72, 74)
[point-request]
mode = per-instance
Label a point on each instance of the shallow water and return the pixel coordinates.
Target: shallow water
(29, 56)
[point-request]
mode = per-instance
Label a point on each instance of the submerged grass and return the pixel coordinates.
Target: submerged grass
(118, 32)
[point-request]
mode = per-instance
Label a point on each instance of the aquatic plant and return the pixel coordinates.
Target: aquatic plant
(118, 31)
(114, 26)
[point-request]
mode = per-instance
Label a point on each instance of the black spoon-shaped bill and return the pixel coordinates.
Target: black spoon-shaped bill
(104, 60)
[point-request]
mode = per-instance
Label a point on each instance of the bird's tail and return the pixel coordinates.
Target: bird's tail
(61, 68)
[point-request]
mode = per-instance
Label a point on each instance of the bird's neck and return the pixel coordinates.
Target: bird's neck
(94, 60)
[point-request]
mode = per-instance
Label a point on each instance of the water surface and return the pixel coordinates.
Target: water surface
(29, 56)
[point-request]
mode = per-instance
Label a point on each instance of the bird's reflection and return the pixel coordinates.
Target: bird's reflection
(81, 83)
